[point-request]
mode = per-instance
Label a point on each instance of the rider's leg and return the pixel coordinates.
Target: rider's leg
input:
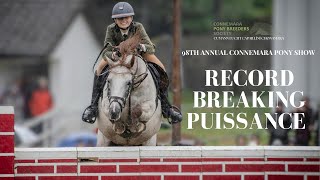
(167, 110)
(154, 59)
(101, 66)
(91, 112)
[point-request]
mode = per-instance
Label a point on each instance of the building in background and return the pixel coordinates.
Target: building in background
(51, 39)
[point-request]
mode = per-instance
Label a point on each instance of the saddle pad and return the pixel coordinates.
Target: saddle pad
(159, 76)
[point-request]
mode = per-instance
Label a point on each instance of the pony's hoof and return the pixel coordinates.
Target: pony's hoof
(119, 128)
(138, 128)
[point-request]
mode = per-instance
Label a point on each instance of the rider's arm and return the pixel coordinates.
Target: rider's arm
(145, 40)
(108, 40)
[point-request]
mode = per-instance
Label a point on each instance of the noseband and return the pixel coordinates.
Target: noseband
(120, 100)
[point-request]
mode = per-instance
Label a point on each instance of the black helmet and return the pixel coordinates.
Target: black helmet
(122, 9)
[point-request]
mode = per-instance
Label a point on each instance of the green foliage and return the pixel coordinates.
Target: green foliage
(197, 16)
(247, 9)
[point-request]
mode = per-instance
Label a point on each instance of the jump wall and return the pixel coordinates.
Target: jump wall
(153, 163)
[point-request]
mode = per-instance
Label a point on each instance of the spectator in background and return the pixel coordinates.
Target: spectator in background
(279, 136)
(41, 100)
(27, 86)
(292, 141)
(316, 126)
(241, 140)
(303, 135)
(14, 97)
(254, 140)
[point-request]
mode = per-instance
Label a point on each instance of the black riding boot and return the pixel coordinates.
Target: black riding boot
(169, 111)
(90, 113)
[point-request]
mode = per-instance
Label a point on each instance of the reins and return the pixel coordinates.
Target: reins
(105, 46)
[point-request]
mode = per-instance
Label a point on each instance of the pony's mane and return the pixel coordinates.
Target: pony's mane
(130, 45)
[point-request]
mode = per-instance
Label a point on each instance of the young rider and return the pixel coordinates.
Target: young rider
(122, 28)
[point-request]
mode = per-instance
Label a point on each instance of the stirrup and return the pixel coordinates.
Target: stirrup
(89, 117)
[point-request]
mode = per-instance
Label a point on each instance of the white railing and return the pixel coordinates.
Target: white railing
(56, 124)
(53, 125)
(45, 120)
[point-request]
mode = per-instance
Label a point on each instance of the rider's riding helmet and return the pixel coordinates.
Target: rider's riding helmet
(122, 9)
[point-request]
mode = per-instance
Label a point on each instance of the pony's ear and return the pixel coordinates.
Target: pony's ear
(132, 61)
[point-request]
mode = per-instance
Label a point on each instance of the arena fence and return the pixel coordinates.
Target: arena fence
(153, 163)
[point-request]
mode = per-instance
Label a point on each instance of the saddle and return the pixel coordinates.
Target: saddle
(159, 76)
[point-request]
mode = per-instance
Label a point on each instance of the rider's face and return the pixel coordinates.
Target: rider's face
(124, 22)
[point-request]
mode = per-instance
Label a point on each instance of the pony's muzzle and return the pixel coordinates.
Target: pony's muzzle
(115, 111)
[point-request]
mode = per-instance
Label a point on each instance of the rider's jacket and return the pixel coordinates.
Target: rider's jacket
(114, 37)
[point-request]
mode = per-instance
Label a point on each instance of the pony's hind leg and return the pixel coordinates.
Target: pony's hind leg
(151, 142)
(102, 141)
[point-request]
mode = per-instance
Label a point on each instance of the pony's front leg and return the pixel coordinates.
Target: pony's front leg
(102, 141)
(145, 111)
(141, 114)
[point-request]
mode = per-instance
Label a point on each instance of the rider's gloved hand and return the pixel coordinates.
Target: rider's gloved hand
(115, 55)
(142, 48)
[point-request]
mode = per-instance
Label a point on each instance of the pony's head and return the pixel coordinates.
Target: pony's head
(121, 77)
(119, 86)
